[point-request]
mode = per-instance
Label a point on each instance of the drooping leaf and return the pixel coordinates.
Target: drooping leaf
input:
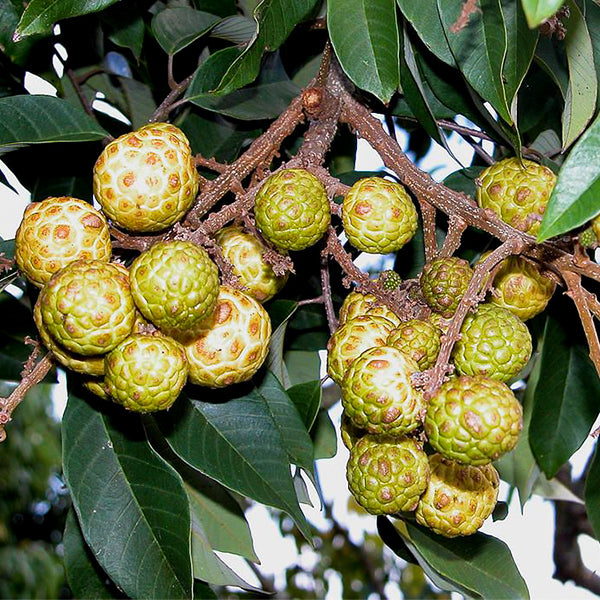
(324, 436)
(463, 180)
(42, 119)
(566, 401)
(591, 10)
(553, 489)
(537, 11)
(592, 492)
(235, 29)
(364, 35)
(574, 199)
(393, 540)
(303, 366)
(547, 56)
(140, 101)
(127, 27)
(10, 13)
(177, 27)
(307, 399)
(281, 311)
(131, 505)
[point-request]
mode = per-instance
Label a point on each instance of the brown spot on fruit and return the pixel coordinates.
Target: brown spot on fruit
(93, 221)
(362, 208)
(62, 232)
(222, 312)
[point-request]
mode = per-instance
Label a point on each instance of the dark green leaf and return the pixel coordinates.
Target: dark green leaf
(393, 540)
(567, 399)
(574, 199)
(10, 14)
(235, 29)
(463, 180)
(131, 505)
(324, 436)
(553, 63)
(222, 8)
(280, 312)
(537, 11)
(307, 399)
(128, 28)
(176, 28)
(237, 443)
(303, 365)
(42, 119)
(592, 492)
(592, 17)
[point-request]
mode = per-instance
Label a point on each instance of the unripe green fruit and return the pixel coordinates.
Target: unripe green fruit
(146, 373)
(378, 216)
(175, 285)
(493, 342)
(387, 475)
(292, 209)
(245, 253)
(459, 498)
(377, 393)
(146, 180)
(391, 280)
(57, 231)
(96, 386)
(87, 307)
(588, 238)
(349, 432)
(517, 191)
(473, 420)
(357, 304)
(351, 340)
(232, 344)
(444, 282)
(418, 339)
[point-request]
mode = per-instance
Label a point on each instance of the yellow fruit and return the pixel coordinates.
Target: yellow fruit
(357, 304)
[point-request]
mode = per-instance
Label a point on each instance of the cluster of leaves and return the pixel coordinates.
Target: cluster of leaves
(155, 497)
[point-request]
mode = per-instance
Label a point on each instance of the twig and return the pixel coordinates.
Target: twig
(429, 233)
(456, 228)
(326, 291)
(80, 94)
(478, 149)
(167, 104)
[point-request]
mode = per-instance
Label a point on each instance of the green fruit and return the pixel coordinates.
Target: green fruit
(391, 280)
(377, 393)
(292, 209)
(418, 339)
(175, 285)
(588, 238)
(145, 373)
(96, 386)
(57, 231)
(146, 180)
(473, 420)
(387, 475)
(517, 191)
(444, 282)
(245, 253)
(232, 344)
(493, 342)
(459, 498)
(351, 340)
(87, 307)
(378, 216)
(349, 432)
(357, 304)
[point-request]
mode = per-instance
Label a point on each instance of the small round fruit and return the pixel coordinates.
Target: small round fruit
(146, 373)
(492, 342)
(473, 420)
(349, 432)
(292, 209)
(444, 282)
(357, 304)
(387, 475)
(245, 253)
(517, 190)
(379, 216)
(418, 339)
(459, 498)
(175, 286)
(588, 238)
(232, 344)
(87, 307)
(57, 231)
(390, 280)
(377, 393)
(146, 180)
(351, 340)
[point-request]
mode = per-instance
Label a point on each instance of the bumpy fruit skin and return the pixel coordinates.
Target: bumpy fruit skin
(349, 432)
(588, 238)
(391, 280)
(233, 343)
(378, 216)
(175, 285)
(57, 231)
(517, 191)
(377, 393)
(418, 339)
(521, 288)
(96, 386)
(473, 420)
(444, 282)
(357, 304)
(493, 342)
(87, 307)
(146, 180)
(351, 340)
(145, 373)
(245, 253)
(387, 475)
(459, 498)
(292, 210)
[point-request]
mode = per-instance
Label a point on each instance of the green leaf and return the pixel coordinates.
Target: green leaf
(324, 436)
(537, 11)
(178, 27)
(591, 10)
(237, 443)
(574, 199)
(43, 119)
(235, 29)
(479, 49)
(307, 399)
(128, 28)
(580, 102)
(463, 180)
(566, 400)
(364, 35)
(553, 64)
(9, 18)
(140, 102)
(281, 311)
(275, 21)
(592, 492)
(41, 15)
(303, 365)
(477, 566)
(131, 505)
